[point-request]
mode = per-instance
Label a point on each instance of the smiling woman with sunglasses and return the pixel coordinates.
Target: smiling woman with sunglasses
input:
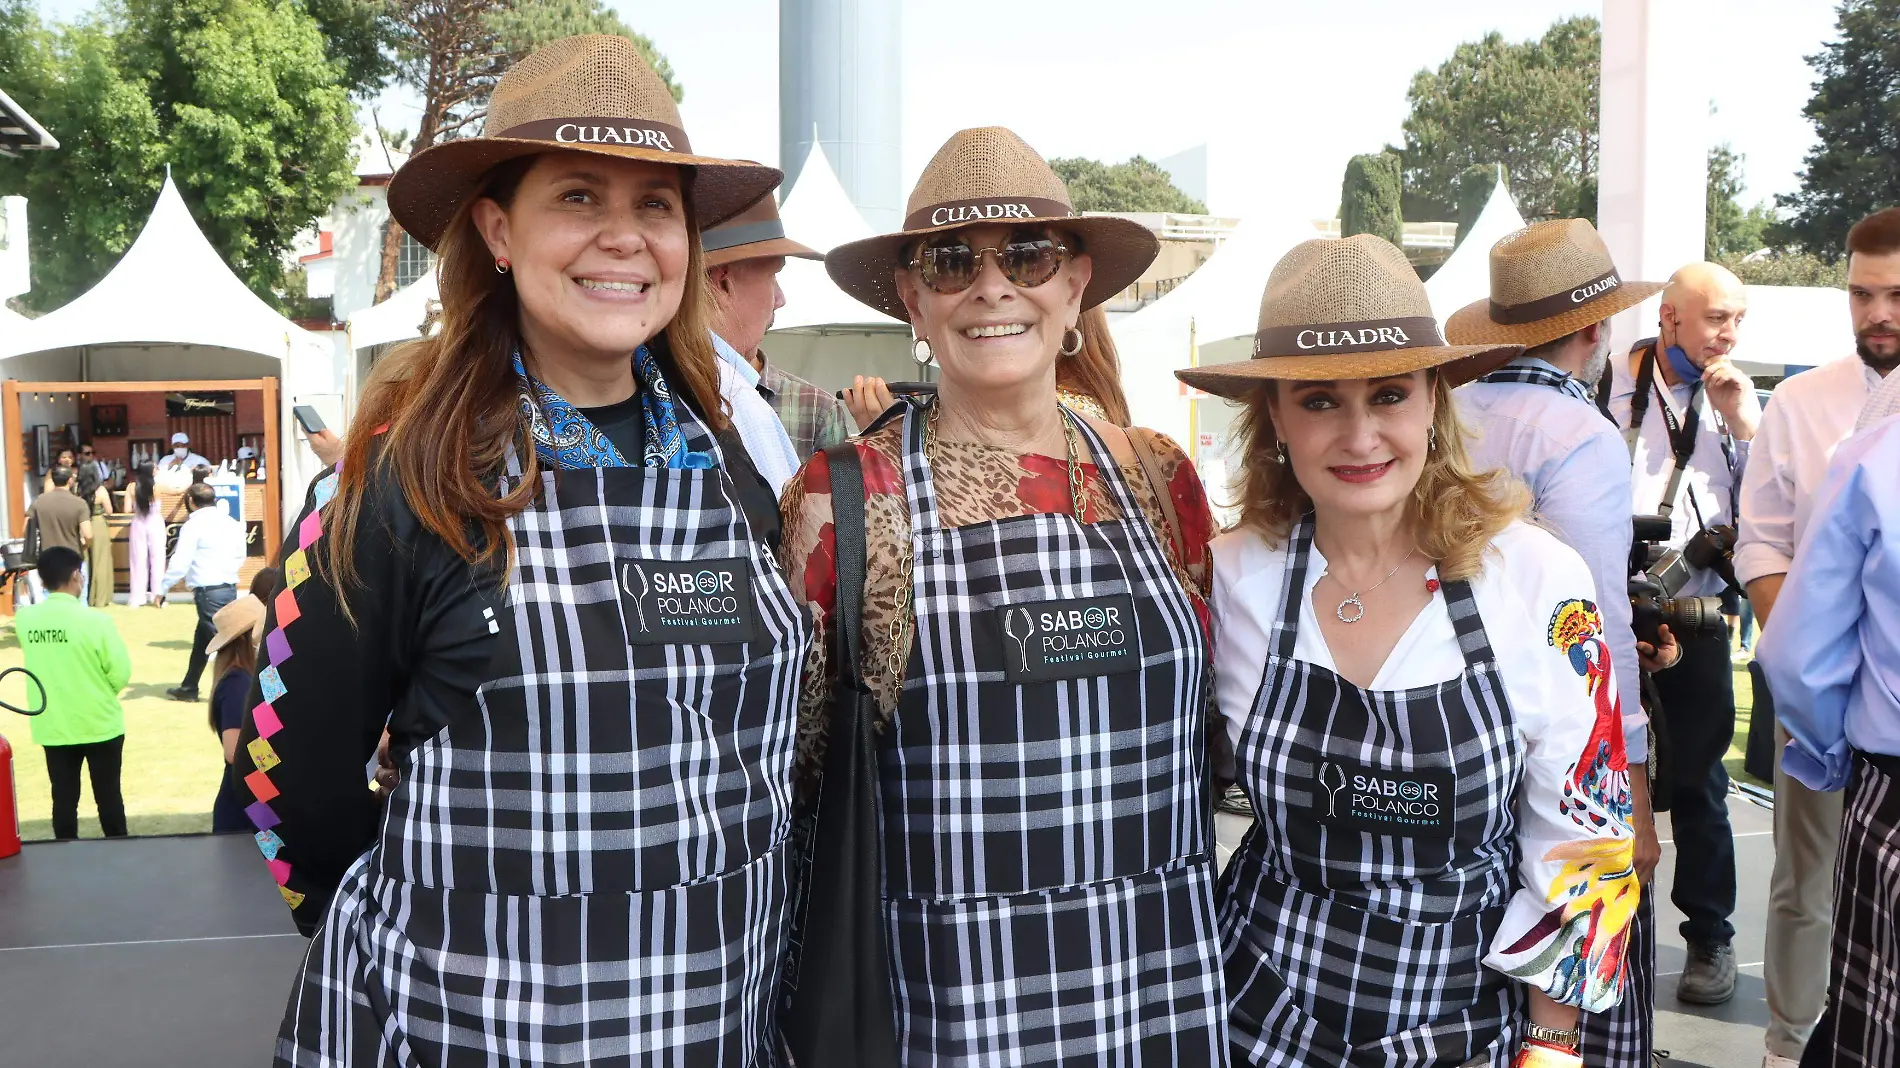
(1034, 635)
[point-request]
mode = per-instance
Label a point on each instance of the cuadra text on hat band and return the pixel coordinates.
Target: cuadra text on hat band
(1531, 311)
(632, 133)
(987, 210)
(1372, 335)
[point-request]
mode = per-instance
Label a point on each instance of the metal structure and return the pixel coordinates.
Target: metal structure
(840, 83)
(18, 132)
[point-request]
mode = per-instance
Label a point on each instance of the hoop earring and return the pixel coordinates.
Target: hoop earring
(1279, 452)
(502, 265)
(1071, 341)
(1431, 439)
(920, 351)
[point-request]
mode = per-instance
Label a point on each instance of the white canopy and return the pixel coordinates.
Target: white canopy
(171, 288)
(397, 319)
(1791, 327)
(823, 334)
(1218, 304)
(1466, 275)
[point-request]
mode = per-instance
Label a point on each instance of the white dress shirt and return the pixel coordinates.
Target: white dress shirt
(1529, 578)
(1578, 470)
(170, 462)
(1712, 480)
(210, 549)
(757, 424)
(1807, 417)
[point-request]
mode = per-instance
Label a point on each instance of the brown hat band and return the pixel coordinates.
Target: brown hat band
(633, 133)
(1556, 304)
(732, 235)
(1370, 335)
(986, 209)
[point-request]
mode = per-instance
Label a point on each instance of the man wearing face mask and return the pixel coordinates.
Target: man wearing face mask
(1688, 415)
(1809, 415)
(182, 459)
(1553, 290)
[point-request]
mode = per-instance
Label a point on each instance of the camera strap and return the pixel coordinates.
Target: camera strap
(1682, 432)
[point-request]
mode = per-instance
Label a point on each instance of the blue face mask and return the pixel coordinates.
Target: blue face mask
(1689, 373)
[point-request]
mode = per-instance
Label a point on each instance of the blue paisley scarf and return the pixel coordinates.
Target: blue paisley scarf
(564, 438)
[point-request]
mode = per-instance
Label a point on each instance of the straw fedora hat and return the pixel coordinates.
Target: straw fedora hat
(592, 93)
(243, 616)
(754, 233)
(1548, 280)
(989, 175)
(1346, 309)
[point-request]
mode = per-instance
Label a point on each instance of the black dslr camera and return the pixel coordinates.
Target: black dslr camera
(1659, 574)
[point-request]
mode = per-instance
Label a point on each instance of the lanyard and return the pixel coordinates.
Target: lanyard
(1682, 433)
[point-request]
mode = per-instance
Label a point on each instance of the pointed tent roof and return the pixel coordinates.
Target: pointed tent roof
(398, 318)
(1465, 276)
(819, 213)
(170, 287)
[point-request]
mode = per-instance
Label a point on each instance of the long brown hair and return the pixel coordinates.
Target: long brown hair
(1096, 370)
(446, 407)
(1454, 510)
(238, 654)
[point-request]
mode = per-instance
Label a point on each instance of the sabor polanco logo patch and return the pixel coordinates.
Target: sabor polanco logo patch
(692, 601)
(1069, 638)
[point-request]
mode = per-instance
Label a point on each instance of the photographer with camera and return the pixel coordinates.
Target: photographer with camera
(1553, 289)
(1688, 415)
(1810, 415)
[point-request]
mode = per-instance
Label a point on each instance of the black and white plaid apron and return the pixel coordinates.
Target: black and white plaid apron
(1048, 865)
(1348, 947)
(1864, 970)
(588, 868)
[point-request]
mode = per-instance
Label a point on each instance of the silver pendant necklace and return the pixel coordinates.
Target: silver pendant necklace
(1359, 606)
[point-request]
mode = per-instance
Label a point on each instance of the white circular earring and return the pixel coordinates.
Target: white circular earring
(1071, 341)
(920, 350)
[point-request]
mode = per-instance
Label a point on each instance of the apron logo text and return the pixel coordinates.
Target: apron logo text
(1067, 639)
(1405, 803)
(699, 601)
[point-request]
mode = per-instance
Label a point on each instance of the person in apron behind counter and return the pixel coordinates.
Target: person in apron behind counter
(1045, 805)
(1421, 701)
(545, 563)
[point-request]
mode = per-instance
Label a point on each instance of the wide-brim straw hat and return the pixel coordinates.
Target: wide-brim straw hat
(243, 616)
(989, 176)
(593, 93)
(1345, 309)
(1548, 280)
(754, 233)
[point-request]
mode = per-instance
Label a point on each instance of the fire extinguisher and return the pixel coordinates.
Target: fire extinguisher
(9, 790)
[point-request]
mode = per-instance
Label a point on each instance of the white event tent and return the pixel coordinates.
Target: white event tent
(823, 334)
(1789, 328)
(398, 318)
(1466, 275)
(172, 311)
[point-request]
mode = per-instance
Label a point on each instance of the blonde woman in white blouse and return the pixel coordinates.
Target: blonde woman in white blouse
(1420, 702)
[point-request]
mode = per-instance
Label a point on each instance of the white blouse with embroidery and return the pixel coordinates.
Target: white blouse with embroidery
(1566, 927)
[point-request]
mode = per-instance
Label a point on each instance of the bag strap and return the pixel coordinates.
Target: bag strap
(1142, 439)
(847, 527)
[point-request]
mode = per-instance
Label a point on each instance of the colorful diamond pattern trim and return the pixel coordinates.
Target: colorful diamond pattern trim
(263, 755)
(268, 844)
(261, 787)
(271, 683)
(296, 569)
(291, 897)
(287, 611)
(266, 719)
(276, 646)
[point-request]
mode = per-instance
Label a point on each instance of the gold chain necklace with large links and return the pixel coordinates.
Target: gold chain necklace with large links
(904, 621)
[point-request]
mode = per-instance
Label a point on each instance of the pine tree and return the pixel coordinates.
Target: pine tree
(1369, 198)
(1854, 168)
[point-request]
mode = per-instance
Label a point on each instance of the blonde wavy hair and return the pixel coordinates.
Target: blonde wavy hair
(1455, 510)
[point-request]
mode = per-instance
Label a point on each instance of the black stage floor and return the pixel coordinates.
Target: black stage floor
(166, 952)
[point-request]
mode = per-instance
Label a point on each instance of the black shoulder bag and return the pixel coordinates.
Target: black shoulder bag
(838, 1007)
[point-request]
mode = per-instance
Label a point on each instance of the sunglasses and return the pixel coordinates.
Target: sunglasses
(951, 265)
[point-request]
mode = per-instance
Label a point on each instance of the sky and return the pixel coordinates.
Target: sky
(1282, 91)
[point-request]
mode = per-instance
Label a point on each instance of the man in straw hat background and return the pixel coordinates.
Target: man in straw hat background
(1553, 289)
(1807, 417)
(1688, 414)
(1386, 618)
(1831, 650)
(743, 259)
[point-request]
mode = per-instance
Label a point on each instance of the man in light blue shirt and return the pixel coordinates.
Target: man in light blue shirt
(1831, 651)
(1553, 286)
(754, 420)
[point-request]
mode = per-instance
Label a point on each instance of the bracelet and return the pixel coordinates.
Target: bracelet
(1534, 1054)
(1554, 1036)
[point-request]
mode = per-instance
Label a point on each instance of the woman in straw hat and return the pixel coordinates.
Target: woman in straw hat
(544, 565)
(1420, 700)
(1034, 637)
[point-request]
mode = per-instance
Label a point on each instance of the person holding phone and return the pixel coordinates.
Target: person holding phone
(323, 441)
(1005, 532)
(545, 567)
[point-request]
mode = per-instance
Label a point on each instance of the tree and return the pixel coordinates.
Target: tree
(1786, 269)
(1532, 106)
(452, 52)
(1729, 229)
(1369, 198)
(360, 39)
(1474, 187)
(1854, 168)
(237, 95)
(1136, 185)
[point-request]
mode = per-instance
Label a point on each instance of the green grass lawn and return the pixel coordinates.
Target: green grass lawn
(173, 762)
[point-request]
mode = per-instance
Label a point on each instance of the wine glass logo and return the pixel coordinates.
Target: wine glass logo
(627, 572)
(1022, 638)
(1333, 778)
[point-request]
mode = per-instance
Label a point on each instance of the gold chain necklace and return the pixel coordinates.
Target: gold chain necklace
(903, 621)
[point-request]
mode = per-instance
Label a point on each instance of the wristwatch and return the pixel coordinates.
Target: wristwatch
(1566, 1039)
